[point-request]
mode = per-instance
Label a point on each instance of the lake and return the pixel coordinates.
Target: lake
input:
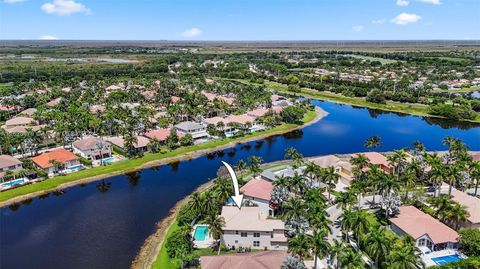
(89, 226)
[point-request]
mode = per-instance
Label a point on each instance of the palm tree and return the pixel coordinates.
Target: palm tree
(459, 214)
(321, 246)
(335, 251)
(349, 259)
(296, 157)
(377, 245)
(405, 257)
(330, 177)
(437, 171)
(475, 174)
(297, 183)
(361, 224)
(215, 225)
(254, 164)
(373, 142)
(312, 171)
(346, 199)
(347, 222)
(300, 245)
(293, 209)
(197, 202)
(241, 167)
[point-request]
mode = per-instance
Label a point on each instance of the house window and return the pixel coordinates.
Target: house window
(256, 243)
(256, 234)
(243, 234)
(236, 232)
(421, 242)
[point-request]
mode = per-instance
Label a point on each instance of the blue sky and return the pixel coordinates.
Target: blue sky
(240, 19)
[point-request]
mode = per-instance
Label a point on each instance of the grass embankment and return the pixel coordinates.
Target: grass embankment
(163, 261)
(135, 164)
(407, 108)
(464, 90)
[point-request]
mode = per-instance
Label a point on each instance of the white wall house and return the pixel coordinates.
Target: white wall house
(249, 227)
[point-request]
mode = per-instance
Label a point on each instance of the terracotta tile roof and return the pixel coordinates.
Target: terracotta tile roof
(60, 155)
(375, 158)
(416, 223)
(476, 156)
(472, 203)
(249, 218)
(258, 188)
(160, 134)
(242, 119)
(253, 260)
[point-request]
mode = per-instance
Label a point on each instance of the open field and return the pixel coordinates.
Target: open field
(381, 60)
(471, 89)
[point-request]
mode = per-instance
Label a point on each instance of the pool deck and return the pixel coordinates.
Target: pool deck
(202, 244)
(427, 259)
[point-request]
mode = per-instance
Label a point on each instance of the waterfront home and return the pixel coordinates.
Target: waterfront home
(376, 158)
(212, 96)
(250, 260)
(260, 112)
(429, 233)
(342, 168)
(197, 130)
(47, 161)
(250, 227)
(160, 134)
(92, 148)
(472, 204)
(21, 129)
(140, 146)
(9, 163)
(257, 191)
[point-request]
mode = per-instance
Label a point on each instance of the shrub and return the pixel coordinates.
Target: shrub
(452, 112)
(470, 238)
(292, 114)
(376, 96)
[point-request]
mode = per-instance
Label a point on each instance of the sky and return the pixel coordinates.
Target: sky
(240, 19)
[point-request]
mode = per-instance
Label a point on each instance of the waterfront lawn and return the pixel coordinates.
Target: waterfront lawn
(163, 261)
(134, 164)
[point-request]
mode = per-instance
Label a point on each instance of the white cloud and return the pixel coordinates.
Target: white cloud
(357, 28)
(192, 32)
(12, 1)
(402, 3)
(48, 37)
(433, 2)
(380, 21)
(405, 18)
(65, 8)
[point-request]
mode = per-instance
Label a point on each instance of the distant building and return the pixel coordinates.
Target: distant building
(67, 159)
(250, 227)
(197, 130)
(9, 163)
(427, 231)
(92, 148)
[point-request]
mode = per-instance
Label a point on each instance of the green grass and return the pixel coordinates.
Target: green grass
(133, 164)
(471, 89)
(381, 60)
(452, 59)
(407, 108)
(163, 261)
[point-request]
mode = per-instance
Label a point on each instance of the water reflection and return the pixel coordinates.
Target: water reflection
(103, 186)
(134, 178)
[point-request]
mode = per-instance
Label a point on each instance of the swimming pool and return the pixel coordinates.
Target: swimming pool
(447, 259)
(108, 160)
(75, 167)
(12, 183)
(201, 232)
